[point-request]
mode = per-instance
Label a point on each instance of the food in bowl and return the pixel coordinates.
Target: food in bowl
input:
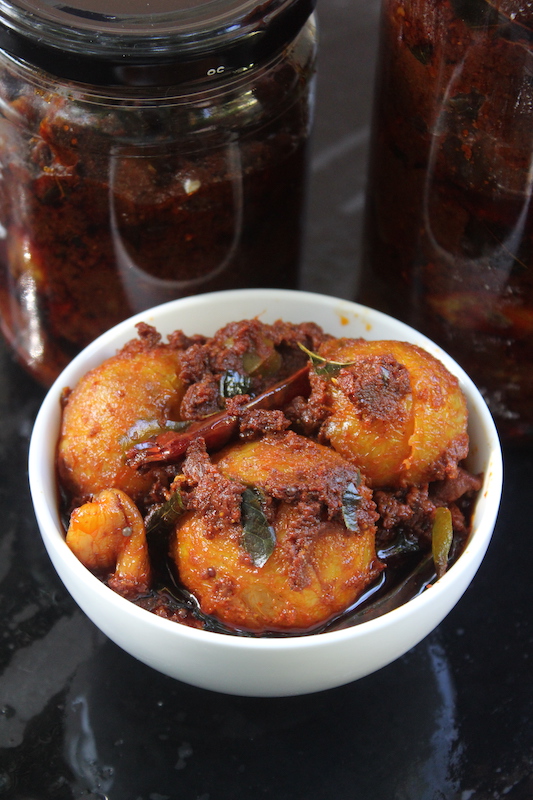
(271, 479)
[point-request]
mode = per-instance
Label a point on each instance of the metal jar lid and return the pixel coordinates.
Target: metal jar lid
(148, 42)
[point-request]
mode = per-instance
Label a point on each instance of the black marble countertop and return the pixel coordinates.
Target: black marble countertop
(451, 720)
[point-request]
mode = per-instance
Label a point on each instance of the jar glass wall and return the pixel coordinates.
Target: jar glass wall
(449, 227)
(114, 199)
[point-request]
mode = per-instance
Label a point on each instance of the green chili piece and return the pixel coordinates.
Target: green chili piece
(441, 539)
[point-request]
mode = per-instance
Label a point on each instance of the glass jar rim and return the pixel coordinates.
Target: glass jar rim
(170, 42)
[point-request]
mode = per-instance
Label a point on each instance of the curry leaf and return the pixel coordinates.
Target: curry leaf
(422, 52)
(258, 538)
(323, 366)
(351, 498)
(145, 429)
(401, 547)
(233, 382)
(165, 515)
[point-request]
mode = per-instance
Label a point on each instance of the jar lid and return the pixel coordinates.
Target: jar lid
(148, 42)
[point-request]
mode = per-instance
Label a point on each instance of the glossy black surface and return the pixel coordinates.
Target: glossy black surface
(451, 720)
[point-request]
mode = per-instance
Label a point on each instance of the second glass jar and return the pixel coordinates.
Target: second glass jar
(449, 230)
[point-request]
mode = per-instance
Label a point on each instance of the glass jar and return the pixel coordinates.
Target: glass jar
(146, 157)
(448, 244)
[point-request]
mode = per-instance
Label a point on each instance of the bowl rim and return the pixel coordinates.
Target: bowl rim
(54, 539)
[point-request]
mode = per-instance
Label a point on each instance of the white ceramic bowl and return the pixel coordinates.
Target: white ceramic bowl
(273, 666)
